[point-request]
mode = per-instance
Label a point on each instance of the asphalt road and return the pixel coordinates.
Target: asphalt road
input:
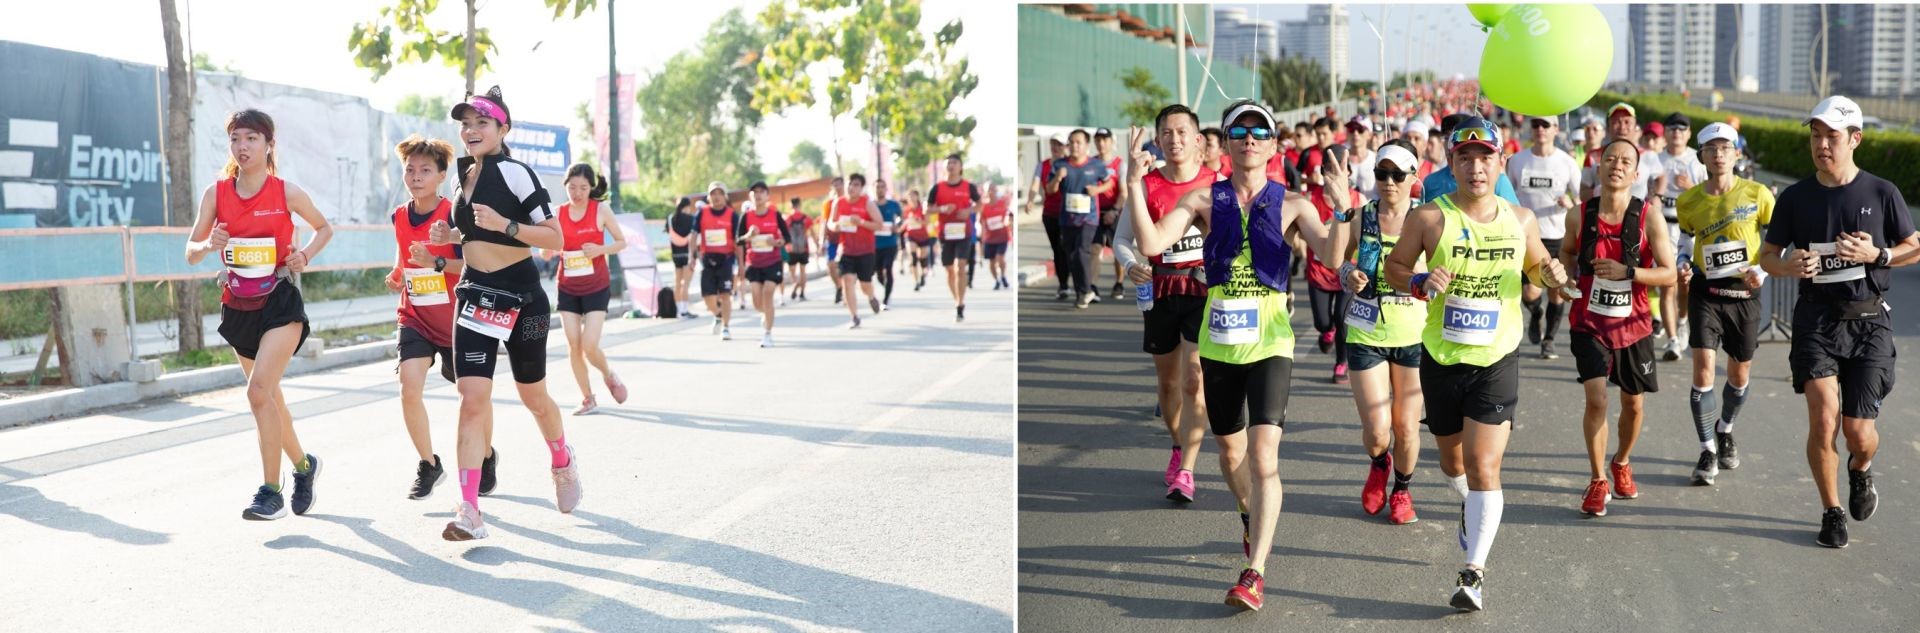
(842, 481)
(1102, 550)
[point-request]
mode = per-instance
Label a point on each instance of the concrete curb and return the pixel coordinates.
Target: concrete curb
(77, 401)
(73, 402)
(1034, 275)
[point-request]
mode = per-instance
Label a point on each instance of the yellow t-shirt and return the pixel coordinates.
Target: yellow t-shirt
(1726, 229)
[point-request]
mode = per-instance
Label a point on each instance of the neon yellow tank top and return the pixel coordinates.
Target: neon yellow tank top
(1477, 320)
(1246, 321)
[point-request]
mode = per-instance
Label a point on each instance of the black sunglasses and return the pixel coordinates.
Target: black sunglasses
(1541, 125)
(1391, 175)
(1258, 133)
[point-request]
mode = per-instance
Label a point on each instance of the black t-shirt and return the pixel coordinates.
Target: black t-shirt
(680, 224)
(1809, 214)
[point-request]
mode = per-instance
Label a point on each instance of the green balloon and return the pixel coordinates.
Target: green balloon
(1546, 59)
(1488, 14)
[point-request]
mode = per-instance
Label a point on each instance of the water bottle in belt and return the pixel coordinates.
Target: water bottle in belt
(1143, 295)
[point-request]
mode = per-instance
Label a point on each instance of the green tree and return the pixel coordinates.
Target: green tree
(808, 158)
(1148, 95)
(425, 107)
(203, 63)
(905, 86)
(1400, 80)
(694, 116)
(400, 35)
(1292, 82)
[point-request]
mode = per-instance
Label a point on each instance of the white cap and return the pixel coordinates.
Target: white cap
(1399, 156)
(1837, 112)
(1415, 126)
(716, 185)
(1247, 108)
(1579, 135)
(1058, 137)
(1718, 132)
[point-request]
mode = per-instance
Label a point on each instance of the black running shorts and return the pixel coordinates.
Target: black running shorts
(582, 304)
(1172, 318)
(474, 353)
(716, 274)
(1633, 369)
(1261, 387)
(1453, 393)
(860, 266)
(764, 274)
(243, 328)
(415, 345)
(952, 250)
(1859, 352)
(991, 250)
(1719, 322)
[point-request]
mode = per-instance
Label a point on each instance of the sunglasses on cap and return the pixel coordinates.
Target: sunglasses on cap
(1541, 124)
(1391, 175)
(1258, 133)
(1465, 134)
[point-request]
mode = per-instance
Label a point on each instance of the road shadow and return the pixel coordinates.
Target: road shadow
(812, 594)
(29, 505)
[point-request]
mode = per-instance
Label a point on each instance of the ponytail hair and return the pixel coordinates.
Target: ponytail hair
(253, 120)
(596, 181)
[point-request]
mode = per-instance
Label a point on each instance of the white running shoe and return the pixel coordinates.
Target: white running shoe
(716, 326)
(766, 340)
(466, 524)
(726, 334)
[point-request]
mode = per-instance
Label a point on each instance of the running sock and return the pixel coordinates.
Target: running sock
(276, 488)
(1400, 482)
(1556, 313)
(305, 466)
(470, 486)
(1458, 484)
(1704, 413)
(1381, 459)
(1730, 402)
(1484, 508)
(558, 449)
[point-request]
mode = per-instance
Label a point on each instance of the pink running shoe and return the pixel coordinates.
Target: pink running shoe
(1173, 466)
(466, 525)
(566, 483)
(1400, 509)
(1181, 490)
(618, 388)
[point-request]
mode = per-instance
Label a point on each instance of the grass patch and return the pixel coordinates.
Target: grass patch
(26, 313)
(340, 337)
(197, 359)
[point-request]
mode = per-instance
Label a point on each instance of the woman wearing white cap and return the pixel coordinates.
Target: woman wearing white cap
(1383, 334)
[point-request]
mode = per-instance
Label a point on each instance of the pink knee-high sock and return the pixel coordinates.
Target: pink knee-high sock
(558, 449)
(470, 486)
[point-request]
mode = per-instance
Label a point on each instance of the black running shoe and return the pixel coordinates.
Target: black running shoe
(959, 314)
(267, 505)
(1466, 591)
(486, 471)
(425, 477)
(1833, 529)
(1533, 326)
(1062, 295)
(836, 296)
(1728, 452)
(303, 485)
(1706, 469)
(873, 303)
(1864, 499)
(1546, 350)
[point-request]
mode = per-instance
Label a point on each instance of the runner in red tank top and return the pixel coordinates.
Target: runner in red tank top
(1172, 326)
(715, 233)
(247, 219)
(996, 223)
(956, 201)
(856, 217)
(1611, 326)
(919, 238)
(424, 275)
(584, 280)
(765, 233)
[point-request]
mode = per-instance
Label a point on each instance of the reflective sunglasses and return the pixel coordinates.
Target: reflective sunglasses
(1391, 175)
(1258, 133)
(1465, 134)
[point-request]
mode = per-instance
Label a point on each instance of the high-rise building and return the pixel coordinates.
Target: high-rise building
(1728, 21)
(1671, 44)
(1873, 48)
(1786, 43)
(1322, 37)
(1242, 40)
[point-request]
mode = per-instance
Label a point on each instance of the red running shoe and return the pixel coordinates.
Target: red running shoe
(1249, 594)
(1373, 495)
(1623, 487)
(1400, 509)
(1595, 501)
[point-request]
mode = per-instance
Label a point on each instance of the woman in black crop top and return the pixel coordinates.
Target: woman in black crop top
(500, 212)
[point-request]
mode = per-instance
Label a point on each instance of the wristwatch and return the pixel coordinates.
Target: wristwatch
(1886, 257)
(513, 229)
(439, 264)
(1631, 271)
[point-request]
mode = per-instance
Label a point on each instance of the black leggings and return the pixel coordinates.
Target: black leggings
(1078, 242)
(884, 268)
(1330, 315)
(474, 353)
(1261, 387)
(1052, 224)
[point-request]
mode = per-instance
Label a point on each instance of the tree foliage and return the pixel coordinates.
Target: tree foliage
(1293, 82)
(695, 119)
(399, 34)
(1148, 96)
(426, 107)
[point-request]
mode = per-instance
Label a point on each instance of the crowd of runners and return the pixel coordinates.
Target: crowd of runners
(469, 286)
(1432, 241)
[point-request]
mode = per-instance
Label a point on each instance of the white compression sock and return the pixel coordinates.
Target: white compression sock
(1458, 484)
(1484, 508)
